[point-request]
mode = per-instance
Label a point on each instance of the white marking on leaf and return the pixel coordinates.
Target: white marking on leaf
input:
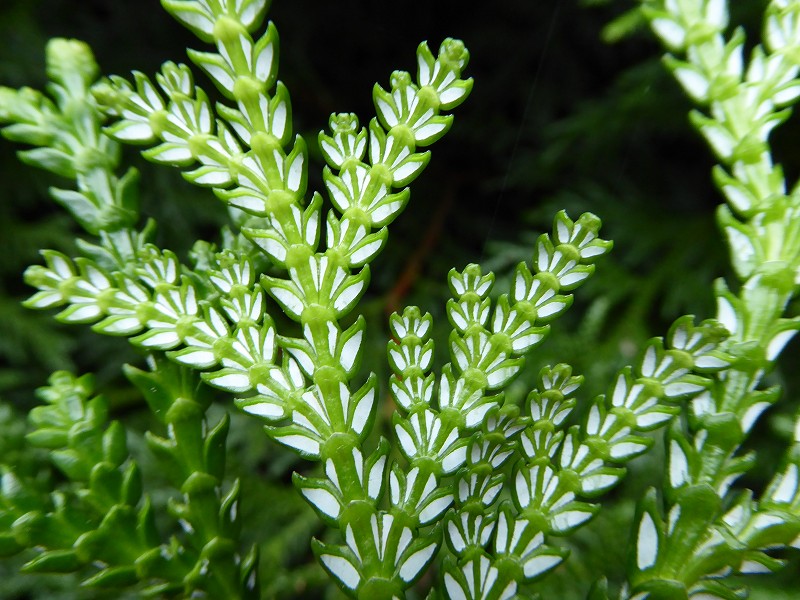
(751, 415)
(406, 441)
(249, 13)
(648, 361)
(477, 414)
(365, 253)
(717, 13)
(290, 300)
(435, 508)
(594, 483)
(362, 412)
(741, 246)
(404, 541)
(86, 312)
(539, 564)
(61, 266)
(454, 460)
(348, 295)
(593, 421)
(738, 196)
(387, 111)
(763, 521)
(375, 479)
(123, 325)
(721, 141)
(204, 118)
(163, 340)
(693, 82)
(672, 518)
(264, 62)
(214, 177)
(787, 95)
(483, 288)
(323, 500)
(151, 95)
(672, 33)
(709, 362)
(278, 163)
(333, 154)
(234, 382)
(646, 543)
(273, 247)
(222, 76)
(451, 95)
(300, 442)
(456, 539)
(727, 315)
(573, 278)
(407, 170)
(267, 410)
(342, 570)
(428, 131)
(678, 465)
(132, 131)
(652, 418)
(296, 173)
(777, 343)
(787, 489)
(198, 359)
(568, 519)
(412, 566)
(626, 450)
(680, 388)
(350, 350)
(500, 376)
(383, 212)
(551, 308)
(454, 591)
(750, 567)
(591, 251)
(248, 203)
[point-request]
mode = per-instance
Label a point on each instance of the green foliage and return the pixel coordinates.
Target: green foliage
(473, 478)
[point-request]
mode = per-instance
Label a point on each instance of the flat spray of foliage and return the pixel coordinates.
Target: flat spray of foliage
(468, 494)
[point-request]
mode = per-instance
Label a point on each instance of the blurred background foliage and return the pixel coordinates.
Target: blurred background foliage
(571, 109)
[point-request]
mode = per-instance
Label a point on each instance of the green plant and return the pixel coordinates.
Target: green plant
(469, 485)
(710, 527)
